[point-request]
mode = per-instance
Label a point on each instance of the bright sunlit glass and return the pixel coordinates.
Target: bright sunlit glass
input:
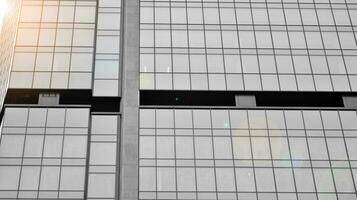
(3, 10)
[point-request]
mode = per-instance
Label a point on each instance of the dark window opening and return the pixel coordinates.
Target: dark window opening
(227, 98)
(67, 97)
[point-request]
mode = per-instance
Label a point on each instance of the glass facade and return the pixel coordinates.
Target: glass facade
(73, 125)
(8, 29)
(106, 72)
(43, 153)
(54, 45)
(247, 154)
(103, 160)
(60, 150)
(290, 45)
(58, 153)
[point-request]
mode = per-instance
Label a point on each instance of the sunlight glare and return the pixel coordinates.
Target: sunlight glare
(3, 10)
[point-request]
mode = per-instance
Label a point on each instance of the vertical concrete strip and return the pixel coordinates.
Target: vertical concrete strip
(129, 183)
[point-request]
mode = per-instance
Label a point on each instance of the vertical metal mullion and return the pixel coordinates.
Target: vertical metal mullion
(62, 150)
(256, 45)
(156, 157)
(251, 154)
(308, 150)
(194, 151)
(23, 151)
(54, 48)
(290, 49)
(307, 45)
(72, 40)
(175, 153)
(42, 155)
(239, 47)
(323, 46)
(272, 42)
(171, 47)
(213, 153)
(271, 154)
(348, 156)
(291, 160)
(95, 42)
(38, 41)
(222, 47)
(233, 158)
(87, 167)
(188, 45)
(328, 154)
(339, 42)
(117, 162)
(205, 41)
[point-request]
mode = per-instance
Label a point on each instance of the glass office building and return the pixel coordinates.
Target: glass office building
(9, 12)
(179, 99)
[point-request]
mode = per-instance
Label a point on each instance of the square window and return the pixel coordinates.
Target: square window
(83, 37)
(41, 80)
(205, 179)
(15, 117)
(183, 119)
(184, 148)
(250, 64)
(61, 61)
(181, 82)
(75, 147)
(29, 178)
(166, 180)
(324, 180)
(165, 147)
(72, 178)
(203, 148)
(222, 148)
(49, 13)
(252, 82)
(85, 14)
(21, 79)
(186, 179)
(284, 180)
(103, 153)
(304, 180)
(77, 117)
(81, 62)
(102, 185)
(11, 145)
(27, 37)
(265, 180)
(23, 62)
(147, 179)
(225, 180)
(80, 80)
(106, 88)
(107, 44)
(9, 177)
(49, 178)
(245, 180)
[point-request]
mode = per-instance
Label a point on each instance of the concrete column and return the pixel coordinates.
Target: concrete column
(129, 184)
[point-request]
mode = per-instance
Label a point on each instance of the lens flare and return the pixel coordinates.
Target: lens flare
(3, 11)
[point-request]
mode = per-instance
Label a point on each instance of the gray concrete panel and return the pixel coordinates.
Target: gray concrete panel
(130, 102)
